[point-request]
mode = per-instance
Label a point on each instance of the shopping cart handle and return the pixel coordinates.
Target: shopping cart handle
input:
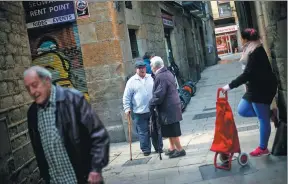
(225, 94)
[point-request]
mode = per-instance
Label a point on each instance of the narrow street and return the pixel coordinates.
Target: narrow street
(93, 46)
(198, 131)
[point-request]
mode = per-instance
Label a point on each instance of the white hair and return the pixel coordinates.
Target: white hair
(157, 62)
(42, 72)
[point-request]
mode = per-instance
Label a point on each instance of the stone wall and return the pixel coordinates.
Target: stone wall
(152, 23)
(17, 161)
(275, 18)
(103, 63)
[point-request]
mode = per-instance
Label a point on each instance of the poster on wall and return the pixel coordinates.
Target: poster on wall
(44, 13)
(221, 42)
(82, 10)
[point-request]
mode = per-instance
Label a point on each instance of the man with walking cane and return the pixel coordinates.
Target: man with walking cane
(137, 94)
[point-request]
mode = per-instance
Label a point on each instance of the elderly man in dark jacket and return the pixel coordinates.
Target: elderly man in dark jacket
(166, 99)
(71, 144)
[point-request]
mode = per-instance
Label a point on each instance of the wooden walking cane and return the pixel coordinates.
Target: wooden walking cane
(129, 132)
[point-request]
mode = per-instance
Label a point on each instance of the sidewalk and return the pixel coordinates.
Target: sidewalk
(198, 131)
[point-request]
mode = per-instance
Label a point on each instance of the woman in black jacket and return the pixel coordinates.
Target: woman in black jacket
(261, 86)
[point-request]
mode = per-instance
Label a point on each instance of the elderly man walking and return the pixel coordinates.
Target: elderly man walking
(166, 99)
(71, 144)
(138, 92)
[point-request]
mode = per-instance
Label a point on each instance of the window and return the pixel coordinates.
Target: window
(128, 4)
(133, 43)
(224, 9)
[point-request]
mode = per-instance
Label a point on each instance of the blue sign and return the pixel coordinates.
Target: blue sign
(43, 13)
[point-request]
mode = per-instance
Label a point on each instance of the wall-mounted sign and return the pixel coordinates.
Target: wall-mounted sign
(226, 29)
(167, 20)
(82, 10)
(43, 13)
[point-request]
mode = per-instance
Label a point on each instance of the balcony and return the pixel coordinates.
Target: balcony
(196, 8)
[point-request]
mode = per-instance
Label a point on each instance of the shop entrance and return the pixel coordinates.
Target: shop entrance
(227, 43)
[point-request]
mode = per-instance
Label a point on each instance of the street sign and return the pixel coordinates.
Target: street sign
(225, 29)
(43, 13)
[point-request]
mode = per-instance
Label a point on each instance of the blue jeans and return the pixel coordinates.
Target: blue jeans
(142, 127)
(262, 111)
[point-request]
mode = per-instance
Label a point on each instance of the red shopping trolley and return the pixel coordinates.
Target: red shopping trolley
(226, 141)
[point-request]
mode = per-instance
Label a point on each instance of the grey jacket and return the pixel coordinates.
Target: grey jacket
(166, 98)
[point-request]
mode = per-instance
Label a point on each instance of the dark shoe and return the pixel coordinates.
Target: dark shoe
(147, 153)
(169, 152)
(178, 154)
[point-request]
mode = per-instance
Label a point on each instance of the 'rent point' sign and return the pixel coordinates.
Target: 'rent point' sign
(43, 13)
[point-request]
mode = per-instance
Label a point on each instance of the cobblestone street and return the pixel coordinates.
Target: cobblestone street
(197, 134)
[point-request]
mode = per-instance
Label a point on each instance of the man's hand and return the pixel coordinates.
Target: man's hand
(95, 178)
(128, 112)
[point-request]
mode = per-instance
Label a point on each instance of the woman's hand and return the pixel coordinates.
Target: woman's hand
(225, 88)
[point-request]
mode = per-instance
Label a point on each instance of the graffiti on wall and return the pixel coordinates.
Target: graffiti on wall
(56, 46)
(56, 49)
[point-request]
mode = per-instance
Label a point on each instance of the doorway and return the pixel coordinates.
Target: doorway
(168, 45)
(226, 43)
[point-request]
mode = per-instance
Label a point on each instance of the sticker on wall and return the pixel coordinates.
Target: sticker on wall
(82, 10)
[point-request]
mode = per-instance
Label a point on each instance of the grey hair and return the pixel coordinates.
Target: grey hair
(157, 62)
(42, 72)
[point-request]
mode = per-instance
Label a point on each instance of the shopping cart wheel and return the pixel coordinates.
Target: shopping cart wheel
(243, 159)
(224, 158)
